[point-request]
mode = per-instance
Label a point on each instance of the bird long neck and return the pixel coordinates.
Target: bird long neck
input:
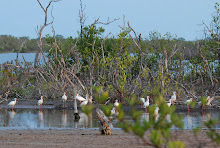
(147, 100)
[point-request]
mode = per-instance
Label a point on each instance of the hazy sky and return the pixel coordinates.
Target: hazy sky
(180, 17)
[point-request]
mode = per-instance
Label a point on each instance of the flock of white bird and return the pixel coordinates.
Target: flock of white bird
(144, 103)
(83, 101)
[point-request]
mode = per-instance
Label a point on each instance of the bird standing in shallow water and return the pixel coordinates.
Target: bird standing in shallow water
(116, 103)
(64, 98)
(113, 111)
(146, 103)
(173, 97)
(188, 102)
(208, 102)
(40, 102)
(169, 103)
(156, 113)
(12, 103)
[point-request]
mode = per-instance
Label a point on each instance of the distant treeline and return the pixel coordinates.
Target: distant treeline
(10, 43)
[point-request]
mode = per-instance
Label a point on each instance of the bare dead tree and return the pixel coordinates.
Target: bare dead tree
(40, 44)
(103, 23)
(81, 18)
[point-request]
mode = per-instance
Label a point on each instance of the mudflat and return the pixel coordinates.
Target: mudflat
(74, 138)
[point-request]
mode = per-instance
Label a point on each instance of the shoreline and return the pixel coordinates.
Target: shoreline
(90, 138)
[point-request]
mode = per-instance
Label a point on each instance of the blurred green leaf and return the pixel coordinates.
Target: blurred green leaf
(193, 103)
(87, 109)
(138, 129)
(125, 126)
(98, 88)
(132, 101)
(176, 144)
(203, 100)
(121, 113)
(156, 138)
(136, 114)
(103, 97)
(196, 130)
(107, 109)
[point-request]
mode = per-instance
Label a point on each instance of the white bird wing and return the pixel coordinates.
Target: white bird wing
(142, 99)
(173, 98)
(80, 98)
(40, 102)
(84, 103)
(64, 97)
(11, 103)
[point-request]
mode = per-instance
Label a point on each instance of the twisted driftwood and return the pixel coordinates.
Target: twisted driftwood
(104, 127)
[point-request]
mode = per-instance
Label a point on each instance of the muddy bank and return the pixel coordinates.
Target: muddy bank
(89, 138)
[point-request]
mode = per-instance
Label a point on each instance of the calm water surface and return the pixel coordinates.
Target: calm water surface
(8, 57)
(51, 118)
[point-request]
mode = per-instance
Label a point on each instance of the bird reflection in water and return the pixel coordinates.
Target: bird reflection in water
(40, 115)
(189, 121)
(168, 118)
(64, 118)
(12, 114)
(40, 118)
(82, 122)
(145, 116)
(206, 117)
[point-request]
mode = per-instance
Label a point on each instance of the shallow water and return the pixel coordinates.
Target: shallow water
(8, 57)
(51, 118)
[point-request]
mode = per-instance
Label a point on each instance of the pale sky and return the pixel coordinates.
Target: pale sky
(179, 17)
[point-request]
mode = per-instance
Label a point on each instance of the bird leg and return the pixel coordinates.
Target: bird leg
(65, 103)
(172, 101)
(146, 109)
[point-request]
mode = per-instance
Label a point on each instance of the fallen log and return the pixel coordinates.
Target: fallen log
(104, 126)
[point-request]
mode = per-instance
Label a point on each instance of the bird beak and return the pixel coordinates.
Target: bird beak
(151, 99)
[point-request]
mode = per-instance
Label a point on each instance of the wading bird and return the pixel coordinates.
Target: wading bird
(188, 102)
(208, 102)
(85, 102)
(146, 103)
(113, 111)
(81, 99)
(156, 111)
(173, 97)
(116, 103)
(169, 103)
(12, 103)
(40, 102)
(64, 98)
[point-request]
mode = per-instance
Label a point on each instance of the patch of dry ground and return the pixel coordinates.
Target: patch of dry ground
(87, 138)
